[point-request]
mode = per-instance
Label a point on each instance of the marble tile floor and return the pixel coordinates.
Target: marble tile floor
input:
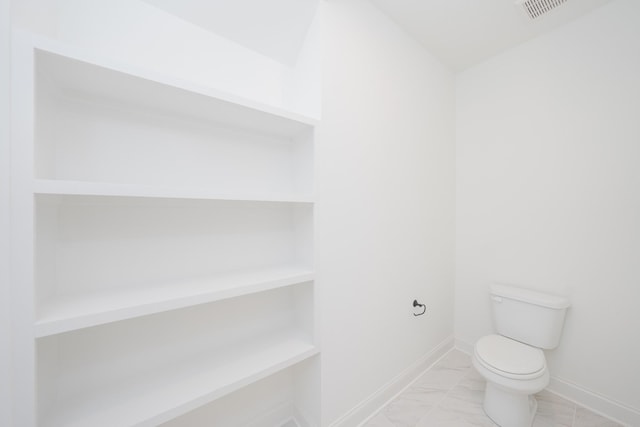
(450, 395)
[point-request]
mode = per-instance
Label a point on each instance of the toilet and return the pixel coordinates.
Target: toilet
(512, 361)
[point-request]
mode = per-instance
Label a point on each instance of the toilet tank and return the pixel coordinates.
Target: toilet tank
(527, 316)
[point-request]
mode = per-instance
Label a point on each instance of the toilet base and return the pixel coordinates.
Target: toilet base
(509, 409)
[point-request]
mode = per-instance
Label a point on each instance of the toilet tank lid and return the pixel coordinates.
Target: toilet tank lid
(529, 296)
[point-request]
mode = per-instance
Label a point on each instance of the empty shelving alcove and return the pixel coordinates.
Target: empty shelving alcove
(171, 268)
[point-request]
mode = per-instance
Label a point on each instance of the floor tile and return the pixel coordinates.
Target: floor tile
(455, 359)
(447, 372)
(470, 391)
(440, 417)
(378, 421)
(472, 373)
(451, 393)
(586, 418)
(553, 411)
(412, 405)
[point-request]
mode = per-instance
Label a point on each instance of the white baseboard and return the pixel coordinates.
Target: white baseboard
(371, 405)
(300, 419)
(588, 399)
(464, 347)
(276, 416)
(595, 402)
(284, 415)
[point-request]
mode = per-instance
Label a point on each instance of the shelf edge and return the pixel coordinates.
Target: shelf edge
(44, 328)
(82, 188)
(55, 47)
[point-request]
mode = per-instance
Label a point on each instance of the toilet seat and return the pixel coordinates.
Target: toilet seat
(509, 358)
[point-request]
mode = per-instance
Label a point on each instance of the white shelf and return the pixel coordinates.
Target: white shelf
(84, 188)
(76, 69)
(72, 312)
(153, 399)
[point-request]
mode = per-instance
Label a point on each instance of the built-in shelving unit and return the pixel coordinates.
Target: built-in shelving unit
(168, 257)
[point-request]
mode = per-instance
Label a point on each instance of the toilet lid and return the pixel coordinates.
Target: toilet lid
(509, 356)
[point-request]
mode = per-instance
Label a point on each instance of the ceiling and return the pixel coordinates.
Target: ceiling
(275, 28)
(462, 33)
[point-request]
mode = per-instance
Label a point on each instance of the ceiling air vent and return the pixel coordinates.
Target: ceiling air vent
(536, 8)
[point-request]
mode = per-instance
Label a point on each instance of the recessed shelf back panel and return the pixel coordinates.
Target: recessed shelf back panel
(86, 244)
(63, 313)
(266, 403)
(111, 127)
(72, 70)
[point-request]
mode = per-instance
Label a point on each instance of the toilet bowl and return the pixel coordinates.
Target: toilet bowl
(514, 373)
(512, 361)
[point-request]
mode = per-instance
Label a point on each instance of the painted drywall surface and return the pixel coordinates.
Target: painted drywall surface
(275, 28)
(302, 87)
(140, 34)
(548, 191)
(5, 321)
(385, 203)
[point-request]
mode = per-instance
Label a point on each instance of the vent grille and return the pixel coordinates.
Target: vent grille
(536, 8)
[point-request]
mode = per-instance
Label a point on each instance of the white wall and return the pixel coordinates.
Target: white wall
(142, 35)
(385, 169)
(275, 28)
(547, 182)
(302, 89)
(548, 192)
(5, 321)
(385, 210)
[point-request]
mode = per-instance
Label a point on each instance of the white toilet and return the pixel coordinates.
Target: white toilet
(512, 362)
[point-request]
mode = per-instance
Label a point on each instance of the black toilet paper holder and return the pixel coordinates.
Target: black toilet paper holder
(417, 304)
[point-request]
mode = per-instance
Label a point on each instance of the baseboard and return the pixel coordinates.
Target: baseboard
(595, 402)
(277, 416)
(371, 405)
(588, 399)
(464, 347)
(284, 415)
(300, 419)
